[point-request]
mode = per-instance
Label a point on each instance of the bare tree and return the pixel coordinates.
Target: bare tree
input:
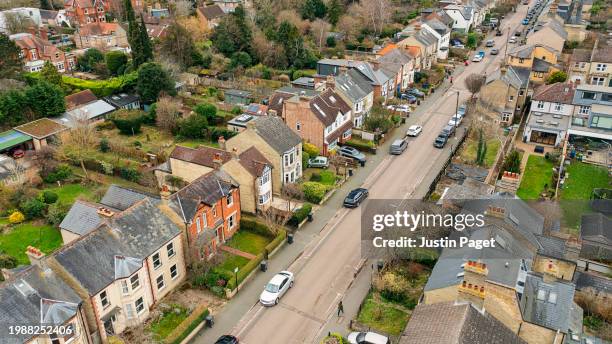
(182, 8)
(275, 219)
(81, 141)
(474, 83)
(376, 13)
(291, 192)
(17, 172)
(16, 22)
(319, 29)
(167, 113)
(349, 26)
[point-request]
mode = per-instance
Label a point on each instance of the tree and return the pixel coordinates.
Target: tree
(81, 141)
(46, 100)
(137, 37)
(334, 11)
(375, 12)
(474, 83)
(90, 59)
(312, 9)
(558, 76)
(127, 121)
(472, 40)
(192, 127)
(240, 59)
(179, 45)
(167, 113)
(10, 62)
(14, 106)
(292, 41)
(233, 33)
(319, 30)
(145, 42)
(208, 111)
(512, 162)
(482, 149)
(153, 80)
(50, 74)
(116, 61)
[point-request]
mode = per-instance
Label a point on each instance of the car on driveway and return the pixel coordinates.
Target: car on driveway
(440, 141)
(367, 338)
(276, 288)
(318, 162)
(355, 197)
(227, 339)
(414, 130)
(353, 153)
(398, 146)
(416, 92)
(494, 51)
(409, 97)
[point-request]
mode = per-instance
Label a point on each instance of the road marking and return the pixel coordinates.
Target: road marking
(249, 322)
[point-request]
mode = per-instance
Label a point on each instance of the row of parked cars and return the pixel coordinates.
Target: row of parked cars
(450, 128)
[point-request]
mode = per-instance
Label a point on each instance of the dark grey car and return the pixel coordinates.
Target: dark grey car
(355, 197)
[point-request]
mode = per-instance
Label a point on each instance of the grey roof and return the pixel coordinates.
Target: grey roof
(297, 91)
(137, 232)
(304, 81)
(122, 99)
(540, 65)
(469, 189)
(82, 218)
(353, 85)
(550, 303)
(89, 111)
(510, 77)
(48, 15)
(31, 295)
(599, 283)
(394, 60)
(551, 246)
(238, 93)
(596, 227)
(426, 38)
(377, 76)
(455, 323)
(522, 73)
(525, 51)
(582, 338)
(121, 198)
(438, 26)
(276, 133)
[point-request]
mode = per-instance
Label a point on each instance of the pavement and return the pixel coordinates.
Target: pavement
(325, 256)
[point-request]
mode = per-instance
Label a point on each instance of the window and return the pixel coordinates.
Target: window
(229, 199)
(156, 261)
(558, 107)
(286, 157)
(139, 305)
(599, 81)
(198, 225)
(540, 104)
(541, 295)
(104, 299)
(521, 60)
(124, 287)
(601, 67)
(511, 98)
(298, 126)
(135, 282)
(173, 271)
(129, 311)
(505, 117)
(265, 178)
(231, 222)
(552, 297)
(601, 122)
(160, 282)
(214, 210)
(584, 110)
(588, 95)
(170, 249)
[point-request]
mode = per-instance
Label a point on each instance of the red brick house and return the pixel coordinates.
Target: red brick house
(324, 120)
(81, 12)
(210, 208)
(35, 51)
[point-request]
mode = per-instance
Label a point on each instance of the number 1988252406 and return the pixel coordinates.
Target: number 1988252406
(59, 330)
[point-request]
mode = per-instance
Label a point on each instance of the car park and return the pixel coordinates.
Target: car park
(414, 130)
(367, 338)
(318, 162)
(227, 339)
(353, 153)
(490, 43)
(494, 51)
(440, 141)
(276, 288)
(398, 146)
(355, 197)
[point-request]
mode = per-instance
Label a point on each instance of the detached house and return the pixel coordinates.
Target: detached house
(101, 35)
(463, 17)
(550, 114)
(209, 16)
(82, 12)
(35, 51)
(324, 120)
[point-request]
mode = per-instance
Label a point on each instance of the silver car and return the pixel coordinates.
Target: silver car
(276, 288)
(318, 162)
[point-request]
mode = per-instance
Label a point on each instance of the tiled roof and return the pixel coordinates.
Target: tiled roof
(551, 246)
(555, 93)
(389, 47)
(253, 161)
(99, 29)
(353, 85)
(203, 155)
(596, 227)
(276, 133)
(455, 323)
(44, 48)
(211, 12)
(79, 99)
(602, 55)
(41, 128)
(598, 283)
(122, 198)
(82, 218)
(327, 105)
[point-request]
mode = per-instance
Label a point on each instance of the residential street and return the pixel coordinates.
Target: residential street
(331, 257)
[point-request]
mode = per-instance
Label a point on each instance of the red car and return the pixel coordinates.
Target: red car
(18, 153)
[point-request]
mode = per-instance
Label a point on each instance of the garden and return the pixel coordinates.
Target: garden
(536, 179)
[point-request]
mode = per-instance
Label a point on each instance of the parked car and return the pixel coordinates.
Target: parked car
(416, 92)
(448, 130)
(498, 33)
(490, 43)
(399, 108)
(409, 97)
(276, 288)
(455, 121)
(525, 21)
(461, 110)
(479, 56)
(18, 153)
(367, 338)
(512, 39)
(353, 153)
(398, 146)
(355, 197)
(318, 162)
(494, 51)
(440, 141)
(227, 339)
(414, 130)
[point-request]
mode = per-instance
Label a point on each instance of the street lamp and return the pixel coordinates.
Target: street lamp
(455, 117)
(236, 275)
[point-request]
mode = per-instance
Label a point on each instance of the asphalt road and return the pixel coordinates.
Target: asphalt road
(331, 257)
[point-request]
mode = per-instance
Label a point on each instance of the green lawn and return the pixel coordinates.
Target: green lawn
(249, 242)
(324, 177)
(537, 174)
(231, 261)
(70, 192)
(471, 148)
(45, 237)
(382, 316)
(168, 321)
(582, 179)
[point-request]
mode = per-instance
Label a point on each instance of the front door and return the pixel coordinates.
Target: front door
(108, 326)
(220, 234)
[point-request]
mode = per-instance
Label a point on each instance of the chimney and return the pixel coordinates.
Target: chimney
(272, 112)
(105, 212)
(235, 153)
(330, 82)
(417, 27)
(35, 255)
(221, 142)
(217, 160)
(375, 64)
(165, 193)
(499, 212)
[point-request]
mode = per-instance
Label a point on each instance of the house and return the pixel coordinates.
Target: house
(277, 99)
(239, 123)
(539, 58)
(592, 112)
(596, 237)
(35, 51)
(277, 143)
(125, 266)
(228, 5)
(455, 323)
(37, 296)
(101, 35)
(84, 106)
(400, 63)
(550, 31)
(382, 80)
(426, 41)
(54, 18)
(255, 109)
(580, 65)
(463, 17)
(504, 92)
(81, 12)
(43, 132)
(550, 114)
(237, 97)
(209, 207)
(124, 101)
(29, 15)
(442, 32)
(600, 72)
(324, 120)
(357, 92)
(210, 16)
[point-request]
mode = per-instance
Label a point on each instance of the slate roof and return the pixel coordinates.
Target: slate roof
(438, 26)
(550, 304)
(79, 99)
(426, 38)
(526, 51)
(208, 189)
(122, 99)
(202, 155)
(121, 198)
(276, 133)
(327, 105)
(91, 111)
(253, 161)
(82, 218)
(31, 294)
(555, 93)
(455, 323)
(353, 85)
(581, 55)
(551, 246)
(510, 77)
(394, 60)
(211, 12)
(41, 128)
(540, 65)
(282, 94)
(137, 232)
(47, 14)
(602, 54)
(596, 227)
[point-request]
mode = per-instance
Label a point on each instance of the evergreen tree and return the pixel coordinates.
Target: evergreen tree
(50, 74)
(10, 62)
(137, 37)
(312, 9)
(145, 42)
(233, 34)
(153, 80)
(46, 99)
(334, 11)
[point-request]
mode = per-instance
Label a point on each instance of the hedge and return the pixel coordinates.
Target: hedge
(189, 324)
(300, 214)
(255, 227)
(361, 145)
(100, 88)
(314, 191)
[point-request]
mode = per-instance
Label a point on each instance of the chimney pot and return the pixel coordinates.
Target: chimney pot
(221, 142)
(35, 256)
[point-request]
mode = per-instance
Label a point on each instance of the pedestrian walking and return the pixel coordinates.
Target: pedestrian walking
(451, 80)
(340, 308)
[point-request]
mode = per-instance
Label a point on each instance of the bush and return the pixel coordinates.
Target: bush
(100, 88)
(127, 121)
(360, 145)
(16, 217)
(208, 111)
(56, 213)
(33, 208)
(7, 261)
(314, 192)
(311, 149)
(104, 145)
(300, 214)
(192, 127)
(305, 158)
(49, 197)
(236, 110)
(129, 173)
(255, 227)
(59, 173)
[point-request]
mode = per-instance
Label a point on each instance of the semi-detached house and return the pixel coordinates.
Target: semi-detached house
(383, 81)
(592, 112)
(355, 89)
(550, 114)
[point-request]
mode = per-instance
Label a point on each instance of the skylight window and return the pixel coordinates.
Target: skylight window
(552, 297)
(541, 295)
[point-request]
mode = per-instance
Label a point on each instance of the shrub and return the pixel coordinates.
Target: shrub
(187, 326)
(314, 192)
(208, 111)
(255, 227)
(305, 158)
(56, 213)
(129, 173)
(236, 110)
(192, 127)
(16, 217)
(127, 121)
(49, 197)
(104, 145)
(59, 173)
(300, 214)
(360, 145)
(33, 208)
(7, 261)
(311, 149)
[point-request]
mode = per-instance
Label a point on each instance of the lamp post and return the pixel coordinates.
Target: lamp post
(455, 117)
(236, 275)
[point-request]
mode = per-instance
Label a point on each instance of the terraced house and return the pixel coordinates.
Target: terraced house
(592, 112)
